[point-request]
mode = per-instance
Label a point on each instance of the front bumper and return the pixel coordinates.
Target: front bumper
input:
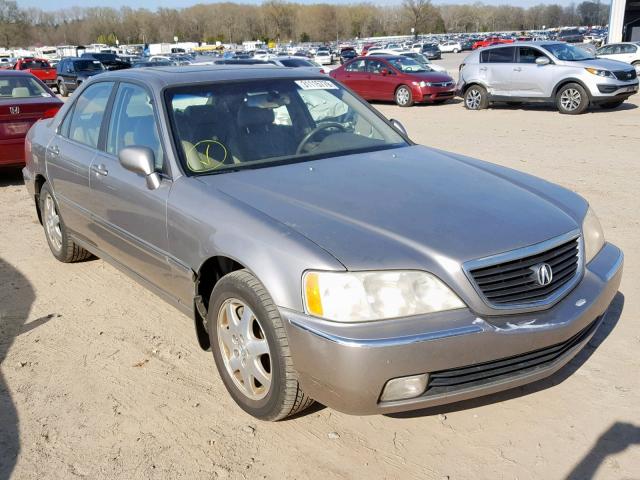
(609, 89)
(346, 366)
(433, 94)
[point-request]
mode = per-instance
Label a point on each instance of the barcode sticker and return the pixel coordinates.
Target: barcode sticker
(316, 85)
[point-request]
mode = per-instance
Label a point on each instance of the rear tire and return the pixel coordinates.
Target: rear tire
(572, 99)
(251, 349)
(403, 96)
(611, 105)
(476, 98)
(62, 89)
(62, 247)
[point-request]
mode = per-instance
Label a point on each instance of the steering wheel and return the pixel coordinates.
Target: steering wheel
(315, 131)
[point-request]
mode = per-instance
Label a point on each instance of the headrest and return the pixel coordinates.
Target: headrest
(204, 112)
(253, 117)
(20, 92)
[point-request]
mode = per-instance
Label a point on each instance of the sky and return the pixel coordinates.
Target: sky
(153, 4)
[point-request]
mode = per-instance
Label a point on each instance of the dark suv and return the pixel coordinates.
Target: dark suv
(73, 71)
(109, 60)
(570, 35)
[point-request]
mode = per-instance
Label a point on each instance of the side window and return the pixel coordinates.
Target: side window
(88, 113)
(628, 49)
(375, 66)
(501, 55)
(357, 66)
(133, 123)
(616, 49)
(64, 126)
(605, 51)
(529, 55)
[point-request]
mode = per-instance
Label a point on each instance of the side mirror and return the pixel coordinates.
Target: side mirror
(398, 126)
(543, 61)
(141, 160)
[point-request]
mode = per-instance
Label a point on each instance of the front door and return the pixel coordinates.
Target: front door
(529, 79)
(381, 81)
(131, 218)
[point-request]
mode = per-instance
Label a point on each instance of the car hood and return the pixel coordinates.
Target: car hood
(601, 63)
(406, 207)
(434, 77)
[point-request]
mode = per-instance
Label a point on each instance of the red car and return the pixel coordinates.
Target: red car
(38, 67)
(489, 41)
(23, 101)
(397, 78)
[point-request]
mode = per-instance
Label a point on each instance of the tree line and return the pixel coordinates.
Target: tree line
(277, 20)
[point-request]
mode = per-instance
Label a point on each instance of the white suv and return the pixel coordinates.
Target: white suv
(551, 72)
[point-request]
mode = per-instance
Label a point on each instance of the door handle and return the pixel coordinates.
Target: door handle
(517, 69)
(483, 69)
(100, 170)
(54, 151)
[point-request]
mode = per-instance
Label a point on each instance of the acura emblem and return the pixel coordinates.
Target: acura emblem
(543, 274)
(14, 110)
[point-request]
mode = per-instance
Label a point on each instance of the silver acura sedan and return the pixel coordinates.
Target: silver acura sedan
(322, 254)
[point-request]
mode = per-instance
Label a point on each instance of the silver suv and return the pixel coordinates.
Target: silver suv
(550, 72)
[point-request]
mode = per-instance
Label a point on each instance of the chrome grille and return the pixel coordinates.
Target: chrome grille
(512, 282)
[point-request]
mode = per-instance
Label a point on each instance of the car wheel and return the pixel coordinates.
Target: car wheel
(455, 50)
(251, 349)
(62, 247)
(476, 98)
(62, 89)
(572, 99)
(404, 97)
(611, 105)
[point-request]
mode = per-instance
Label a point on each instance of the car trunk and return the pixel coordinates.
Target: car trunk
(16, 123)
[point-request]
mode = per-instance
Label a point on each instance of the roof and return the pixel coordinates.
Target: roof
(160, 77)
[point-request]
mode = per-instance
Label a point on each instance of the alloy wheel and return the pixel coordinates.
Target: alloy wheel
(403, 96)
(473, 99)
(52, 222)
(244, 349)
(570, 99)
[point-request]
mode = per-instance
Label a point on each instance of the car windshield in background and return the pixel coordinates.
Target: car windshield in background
(223, 126)
(407, 65)
(34, 65)
(296, 62)
(567, 52)
(21, 87)
(88, 65)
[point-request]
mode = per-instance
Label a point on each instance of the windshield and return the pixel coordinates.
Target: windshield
(88, 65)
(421, 59)
(567, 52)
(34, 64)
(407, 65)
(231, 126)
(21, 87)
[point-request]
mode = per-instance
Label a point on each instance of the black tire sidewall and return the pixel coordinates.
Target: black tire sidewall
(268, 407)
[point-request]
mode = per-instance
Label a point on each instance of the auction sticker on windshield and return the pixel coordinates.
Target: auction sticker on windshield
(316, 85)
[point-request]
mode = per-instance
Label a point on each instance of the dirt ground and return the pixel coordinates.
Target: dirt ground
(100, 379)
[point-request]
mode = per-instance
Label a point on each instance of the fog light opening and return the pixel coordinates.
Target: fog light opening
(404, 388)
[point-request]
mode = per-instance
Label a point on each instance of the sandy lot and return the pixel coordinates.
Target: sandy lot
(100, 379)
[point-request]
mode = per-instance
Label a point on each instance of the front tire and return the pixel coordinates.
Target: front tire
(62, 247)
(476, 98)
(62, 89)
(572, 99)
(403, 96)
(251, 349)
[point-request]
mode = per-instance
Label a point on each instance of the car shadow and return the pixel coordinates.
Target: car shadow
(16, 299)
(11, 177)
(616, 439)
(451, 101)
(551, 108)
(611, 318)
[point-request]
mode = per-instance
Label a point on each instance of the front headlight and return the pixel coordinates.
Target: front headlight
(592, 234)
(425, 84)
(600, 73)
(364, 296)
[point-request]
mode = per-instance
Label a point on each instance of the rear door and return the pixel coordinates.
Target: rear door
(130, 217)
(496, 69)
(529, 79)
(356, 77)
(70, 153)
